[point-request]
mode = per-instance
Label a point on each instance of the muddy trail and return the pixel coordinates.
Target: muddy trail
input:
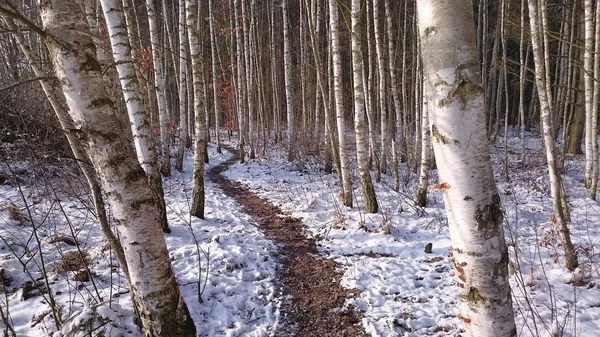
(312, 297)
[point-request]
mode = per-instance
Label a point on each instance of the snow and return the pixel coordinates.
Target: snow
(403, 290)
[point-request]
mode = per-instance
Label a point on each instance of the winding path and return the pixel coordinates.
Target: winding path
(312, 297)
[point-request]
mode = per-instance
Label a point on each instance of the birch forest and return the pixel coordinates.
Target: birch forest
(299, 168)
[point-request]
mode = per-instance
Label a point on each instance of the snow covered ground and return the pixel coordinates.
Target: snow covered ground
(239, 296)
(404, 291)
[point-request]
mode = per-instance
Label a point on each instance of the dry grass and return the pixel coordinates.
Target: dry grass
(72, 261)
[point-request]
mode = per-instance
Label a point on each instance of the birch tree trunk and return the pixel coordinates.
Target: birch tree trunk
(595, 99)
(138, 117)
(249, 78)
(381, 92)
(588, 80)
(240, 82)
(160, 309)
(184, 139)
(522, 73)
(334, 24)
(421, 196)
(79, 154)
(557, 191)
(457, 121)
(197, 208)
(362, 149)
(397, 139)
(274, 74)
(213, 53)
(371, 104)
(287, 66)
(159, 85)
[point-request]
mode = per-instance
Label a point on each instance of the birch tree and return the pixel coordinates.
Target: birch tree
(198, 196)
(138, 116)
(159, 85)
(184, 139)
(421, 196)
(76, 145)
(588, 73)
(213, 54)
(339, 103)
(457, 123)
(381, 92)
(397, 138)
(561, 215)
(239, 88)
(158, 305)
(595, 99)
(287, 65)
(362, 149)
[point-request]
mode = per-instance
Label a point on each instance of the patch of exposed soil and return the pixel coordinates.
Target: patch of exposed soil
(312, 297)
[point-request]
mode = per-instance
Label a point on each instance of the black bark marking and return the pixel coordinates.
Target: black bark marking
(442, 138)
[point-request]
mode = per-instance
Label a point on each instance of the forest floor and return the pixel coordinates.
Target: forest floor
(313, 300)
(278, 255)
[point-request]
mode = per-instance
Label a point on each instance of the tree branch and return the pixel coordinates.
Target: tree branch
(45, 78)
(14, 13)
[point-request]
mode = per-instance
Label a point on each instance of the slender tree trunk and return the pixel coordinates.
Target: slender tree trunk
(197, 208)
(213, 53)
(382, 89)
(159, 85)
(249, 68)
(397, 139)
(570, 105)
(339, 103)
(421, 196)
(559, 203)
(523, 53)
(362, 154)
(138, 117)
(588, 73)
(184, 138)
(287, 64)
(371, 104)
(274, 74)
(595, 99)
(240, 82)
(161, 310)
(463, 160)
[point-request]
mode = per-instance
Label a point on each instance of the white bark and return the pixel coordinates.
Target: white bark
(398, 136)
(522, 74)
(457, 120)
(240, 81)
(287, 67)
(339, 103)
(138, 117)
(79, 154)
(160, 309)
(362, 149)
(184, 139)
(213, 53)
(595, 99)
(421, 197)
(159, 85)
(249, 76)
(381, 92)
(559, 203)
(197, 208)
(588, 80)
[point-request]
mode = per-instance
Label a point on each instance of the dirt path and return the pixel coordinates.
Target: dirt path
(312, 297)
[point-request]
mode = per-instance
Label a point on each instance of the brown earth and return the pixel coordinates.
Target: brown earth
(312, 297)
